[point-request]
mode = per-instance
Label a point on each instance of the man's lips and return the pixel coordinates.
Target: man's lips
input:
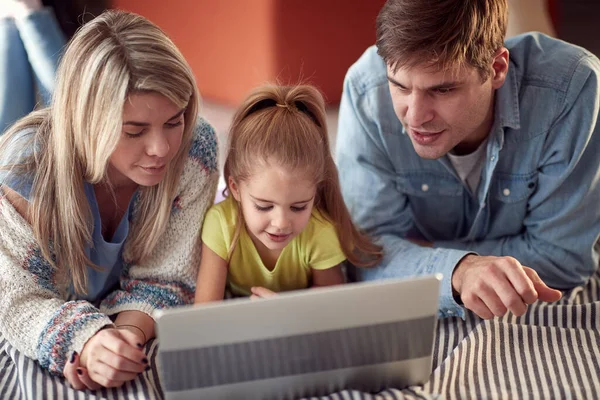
(423, 137)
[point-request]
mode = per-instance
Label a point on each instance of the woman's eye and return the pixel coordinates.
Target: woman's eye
(174, 124)
(134, 134)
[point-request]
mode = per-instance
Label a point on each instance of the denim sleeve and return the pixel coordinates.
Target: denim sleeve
(563, 221)
(368, 182)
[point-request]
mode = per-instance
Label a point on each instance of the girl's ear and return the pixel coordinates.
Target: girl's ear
(233, 187)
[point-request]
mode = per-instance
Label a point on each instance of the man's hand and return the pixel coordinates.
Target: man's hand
(490, 286)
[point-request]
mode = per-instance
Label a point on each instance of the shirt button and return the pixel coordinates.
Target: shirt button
(424, 187)
(506, 192)
(450, 312)
(492, 158)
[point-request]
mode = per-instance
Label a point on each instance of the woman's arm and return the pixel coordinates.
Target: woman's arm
(34, 315)
(212, 277)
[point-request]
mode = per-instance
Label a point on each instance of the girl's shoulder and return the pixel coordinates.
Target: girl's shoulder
(319, 226)
(224, 212)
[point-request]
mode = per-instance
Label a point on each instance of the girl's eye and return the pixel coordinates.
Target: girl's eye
(298, 209)
(259, 208)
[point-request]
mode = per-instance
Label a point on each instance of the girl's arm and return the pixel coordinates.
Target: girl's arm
(327, 277)
(321, 277)
(212, 277)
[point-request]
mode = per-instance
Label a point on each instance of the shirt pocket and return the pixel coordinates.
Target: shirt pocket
(513, 188)
(427, 184)
(509, 203)
(436, 202)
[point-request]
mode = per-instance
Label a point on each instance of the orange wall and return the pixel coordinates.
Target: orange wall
(235, 45)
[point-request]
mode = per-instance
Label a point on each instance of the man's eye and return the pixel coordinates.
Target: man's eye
(444, 90)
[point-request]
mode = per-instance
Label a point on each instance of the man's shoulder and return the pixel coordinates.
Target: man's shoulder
(368, 72)
(541, 59)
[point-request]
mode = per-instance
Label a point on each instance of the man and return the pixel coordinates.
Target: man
(472, 157)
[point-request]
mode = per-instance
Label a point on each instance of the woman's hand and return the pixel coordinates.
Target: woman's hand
(78, 376)
(261, 293)
(110, 358)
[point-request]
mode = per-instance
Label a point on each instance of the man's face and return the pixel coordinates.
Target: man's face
(444, 110)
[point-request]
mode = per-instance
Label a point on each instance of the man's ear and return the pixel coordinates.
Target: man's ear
(500, 67)
(233, 187)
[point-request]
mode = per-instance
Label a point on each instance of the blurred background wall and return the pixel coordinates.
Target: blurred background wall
(235, 45)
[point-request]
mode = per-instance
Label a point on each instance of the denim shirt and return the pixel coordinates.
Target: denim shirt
(539, 195)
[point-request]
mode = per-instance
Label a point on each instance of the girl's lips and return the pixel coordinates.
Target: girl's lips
(278, 238)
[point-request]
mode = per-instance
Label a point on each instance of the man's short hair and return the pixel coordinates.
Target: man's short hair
(442, 34)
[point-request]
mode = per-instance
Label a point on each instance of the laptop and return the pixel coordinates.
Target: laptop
(366, 336)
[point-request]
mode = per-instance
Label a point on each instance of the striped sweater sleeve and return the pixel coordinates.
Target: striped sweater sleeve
(168, 277)
(34, 314)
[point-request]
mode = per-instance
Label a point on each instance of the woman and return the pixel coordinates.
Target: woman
(103, 195)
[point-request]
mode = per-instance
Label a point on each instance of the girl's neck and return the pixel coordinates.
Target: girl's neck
(268, 257)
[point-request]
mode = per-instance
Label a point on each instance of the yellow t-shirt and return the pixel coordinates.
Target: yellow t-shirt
(316, 247)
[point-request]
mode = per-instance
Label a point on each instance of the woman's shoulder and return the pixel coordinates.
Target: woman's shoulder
(16, 149)
(200, 170)
(204, 148)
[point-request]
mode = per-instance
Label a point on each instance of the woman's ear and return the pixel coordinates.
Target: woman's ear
(500, 67)
(233, 187)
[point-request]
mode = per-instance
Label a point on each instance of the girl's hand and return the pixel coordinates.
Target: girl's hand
(261, 293)
(112, 357)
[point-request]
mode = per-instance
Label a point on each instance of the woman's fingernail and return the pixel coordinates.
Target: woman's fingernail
(79, 371)
(147, 368)
(72, 360)
(140, 345)
(145, 360)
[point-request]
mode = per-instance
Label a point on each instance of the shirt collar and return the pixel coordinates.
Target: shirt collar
(506, 113)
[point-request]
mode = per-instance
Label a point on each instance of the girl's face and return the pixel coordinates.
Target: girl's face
(150, 138)
(276, 204)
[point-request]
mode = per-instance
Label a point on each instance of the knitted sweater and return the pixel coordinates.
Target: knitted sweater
(36, 316)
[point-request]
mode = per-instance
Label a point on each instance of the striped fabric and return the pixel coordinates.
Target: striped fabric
(551, 352)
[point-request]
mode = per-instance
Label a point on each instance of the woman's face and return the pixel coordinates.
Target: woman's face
(150, 137)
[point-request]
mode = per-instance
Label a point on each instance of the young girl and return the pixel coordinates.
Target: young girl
(284, 225)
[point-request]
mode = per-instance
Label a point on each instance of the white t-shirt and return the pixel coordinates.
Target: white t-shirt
(469, 166)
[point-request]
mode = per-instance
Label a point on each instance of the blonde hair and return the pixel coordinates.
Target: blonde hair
(441, 33)
(109, 58)
(286, 125)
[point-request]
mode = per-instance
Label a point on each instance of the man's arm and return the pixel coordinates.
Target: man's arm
(368, 181)
(563, 221)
